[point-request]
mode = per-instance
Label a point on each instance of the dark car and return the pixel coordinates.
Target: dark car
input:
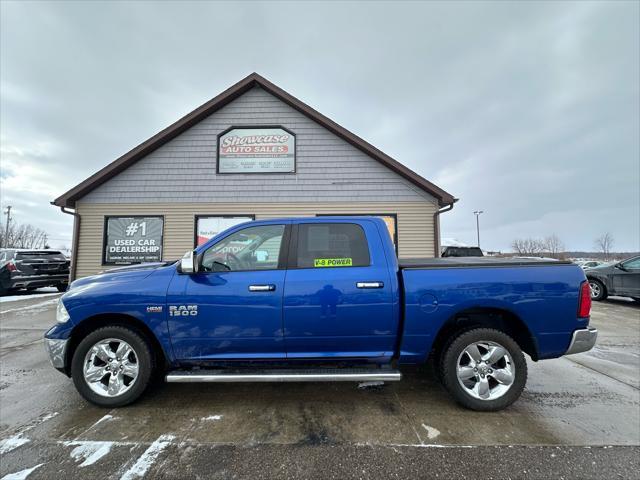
(620, 278)
(462, 252)
(32, 269)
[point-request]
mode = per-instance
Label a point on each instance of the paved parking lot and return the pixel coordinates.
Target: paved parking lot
(579, 417)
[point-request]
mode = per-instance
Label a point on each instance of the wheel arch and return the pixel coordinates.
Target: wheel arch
(602, 281)
(101, 320)
(486, 317)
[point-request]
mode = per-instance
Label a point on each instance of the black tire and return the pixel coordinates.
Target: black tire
(62, 287)
(439, 358)
(144, 356)
(460, 393)
(600, 290)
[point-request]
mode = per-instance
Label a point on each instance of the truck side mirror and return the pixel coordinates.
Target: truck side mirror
(188, 263)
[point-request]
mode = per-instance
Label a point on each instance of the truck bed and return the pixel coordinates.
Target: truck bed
(476, 262)
(545, 299)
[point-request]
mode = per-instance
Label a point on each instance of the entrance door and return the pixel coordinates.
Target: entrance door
(232, 308)
(338, 295)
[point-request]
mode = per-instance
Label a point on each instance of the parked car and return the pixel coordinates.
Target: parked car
(616, 278)
(462, 252)
(318, 299)
(32, 269)
(584, 264)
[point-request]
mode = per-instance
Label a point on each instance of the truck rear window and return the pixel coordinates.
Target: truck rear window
(332, 245)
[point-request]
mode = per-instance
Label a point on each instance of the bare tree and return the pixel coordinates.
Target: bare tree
(604, 244)
(64, 248)
(527, 246)
(22, 236)
(554, 246)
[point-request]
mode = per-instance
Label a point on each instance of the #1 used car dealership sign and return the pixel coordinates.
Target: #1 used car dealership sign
(133, 240)
(256, 150)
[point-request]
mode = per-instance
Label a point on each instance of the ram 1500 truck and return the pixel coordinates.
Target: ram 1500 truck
(318, 299)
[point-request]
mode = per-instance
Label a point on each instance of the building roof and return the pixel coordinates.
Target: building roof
(69, 198)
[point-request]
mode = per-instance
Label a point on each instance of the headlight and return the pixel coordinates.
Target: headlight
(61, 313)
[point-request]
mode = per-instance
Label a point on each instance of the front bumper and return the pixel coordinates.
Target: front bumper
(57, 349)
(35, 281)
(582, 340)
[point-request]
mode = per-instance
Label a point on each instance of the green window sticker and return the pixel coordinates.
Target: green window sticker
(333, 262)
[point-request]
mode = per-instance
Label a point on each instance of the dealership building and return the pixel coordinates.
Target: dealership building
(252, 152)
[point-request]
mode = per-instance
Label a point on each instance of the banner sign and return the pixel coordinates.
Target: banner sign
(133, 240)
(257, 150)
(209, 227)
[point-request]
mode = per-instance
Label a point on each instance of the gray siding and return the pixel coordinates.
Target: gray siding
(328, 168)
(415, 223)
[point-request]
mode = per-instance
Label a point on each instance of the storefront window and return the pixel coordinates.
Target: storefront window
(129, 240)
(209, 226)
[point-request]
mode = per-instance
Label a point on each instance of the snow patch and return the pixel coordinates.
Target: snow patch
(89, 451)
(9, 444)
(48, 416)
(431, 432)
(105, 418)
(37, 307)
(38, 421)
(430, 445)
(375, 384)
(212, 417)
(22, 474)
(139, 469)
(15, 298)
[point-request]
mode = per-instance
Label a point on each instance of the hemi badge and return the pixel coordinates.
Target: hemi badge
(154, 309)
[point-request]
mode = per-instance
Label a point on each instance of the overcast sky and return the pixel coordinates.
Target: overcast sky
(529, 111)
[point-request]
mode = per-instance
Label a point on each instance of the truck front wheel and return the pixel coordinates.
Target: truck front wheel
(112, 366)
(484, 369)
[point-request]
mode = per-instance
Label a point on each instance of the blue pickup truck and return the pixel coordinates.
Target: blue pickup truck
(318, 299)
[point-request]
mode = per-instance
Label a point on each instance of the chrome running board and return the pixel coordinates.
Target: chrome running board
(289, 375)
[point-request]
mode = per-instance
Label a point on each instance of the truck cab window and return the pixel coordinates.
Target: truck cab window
(332, 245)
(252, 248)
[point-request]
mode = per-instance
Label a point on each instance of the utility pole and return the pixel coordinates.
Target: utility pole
(477, 214)
(44, 241)
(6, 227)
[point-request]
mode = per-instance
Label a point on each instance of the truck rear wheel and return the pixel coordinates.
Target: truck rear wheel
(484, 369)
(112, 366)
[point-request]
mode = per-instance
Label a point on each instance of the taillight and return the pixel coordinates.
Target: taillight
(11, 267)
(584, 303)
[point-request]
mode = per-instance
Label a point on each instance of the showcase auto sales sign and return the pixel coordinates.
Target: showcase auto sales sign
(256, 150)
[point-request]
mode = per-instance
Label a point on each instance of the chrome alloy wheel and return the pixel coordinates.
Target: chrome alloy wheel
(485, 370)
(110, 367)
(595, 289)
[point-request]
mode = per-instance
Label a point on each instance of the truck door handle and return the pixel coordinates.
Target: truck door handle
(262, 288)
(369, 284)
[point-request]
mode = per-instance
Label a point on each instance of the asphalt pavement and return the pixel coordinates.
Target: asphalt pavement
(579, 417)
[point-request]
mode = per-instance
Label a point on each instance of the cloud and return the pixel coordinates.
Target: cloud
(528, 110)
